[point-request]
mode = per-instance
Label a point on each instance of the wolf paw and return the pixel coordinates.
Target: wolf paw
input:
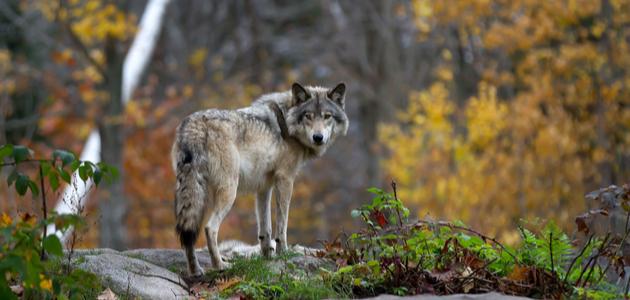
(267, 251)
(281, 247)
(224, 264)
(197, 271)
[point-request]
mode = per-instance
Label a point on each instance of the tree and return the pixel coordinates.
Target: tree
(109, 139)
(546, 122)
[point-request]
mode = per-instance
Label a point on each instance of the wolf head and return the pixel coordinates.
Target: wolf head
(316, 115)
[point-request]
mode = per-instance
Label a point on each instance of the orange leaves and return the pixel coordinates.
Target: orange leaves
(224, 284)
(64, 57)
(519, 273)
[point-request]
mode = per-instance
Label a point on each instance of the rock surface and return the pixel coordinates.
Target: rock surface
(159, 273)
(134, 277)
(486, 296)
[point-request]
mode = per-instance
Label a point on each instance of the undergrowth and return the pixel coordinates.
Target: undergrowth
(32, 261)
(395, 255)
(392, 254)
(255, 278)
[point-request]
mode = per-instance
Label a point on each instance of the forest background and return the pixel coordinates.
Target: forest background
(489, 112)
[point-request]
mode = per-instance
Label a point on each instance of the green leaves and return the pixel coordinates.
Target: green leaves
(17, 152)
(53, 180)
(385, 210)
(65, 157)
(5, 151)
(20, 153)
(52, 245)
(23, 241)
(65, 176)
(84, 172)
(61, 166)
(22, 183)
(97, 172)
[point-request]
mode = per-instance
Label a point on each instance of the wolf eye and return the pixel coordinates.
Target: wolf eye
(309, 116)
(327, 116)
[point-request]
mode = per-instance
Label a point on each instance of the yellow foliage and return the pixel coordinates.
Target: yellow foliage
(95, 20)
(485, 116)
(5, 61)
(44, 283)
(491, 162)
(198, 57)
(5, 220)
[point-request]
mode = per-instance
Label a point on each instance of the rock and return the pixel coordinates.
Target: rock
(486, 296)
(171, 259)
(301, 266)
(159, 273)
(232, 248)
(130, 276)
(175, 260)
(83, 252)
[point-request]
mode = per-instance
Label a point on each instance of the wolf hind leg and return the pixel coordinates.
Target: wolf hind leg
(263, 218)
(223, 201)
(194, 267)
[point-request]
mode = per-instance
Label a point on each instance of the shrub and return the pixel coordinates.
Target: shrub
(31, 261)
(393, 255)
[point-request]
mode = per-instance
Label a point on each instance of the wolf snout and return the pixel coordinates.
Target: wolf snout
(318, 138)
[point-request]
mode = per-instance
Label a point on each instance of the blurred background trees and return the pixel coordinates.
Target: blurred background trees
(508, 109)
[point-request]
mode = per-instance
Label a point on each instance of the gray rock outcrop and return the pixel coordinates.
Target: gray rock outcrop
(159, 273)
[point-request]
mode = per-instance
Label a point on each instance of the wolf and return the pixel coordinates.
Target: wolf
(218, 154)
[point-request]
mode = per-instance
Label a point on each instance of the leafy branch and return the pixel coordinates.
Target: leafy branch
(26, 241)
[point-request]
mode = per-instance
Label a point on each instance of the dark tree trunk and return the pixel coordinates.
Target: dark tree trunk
(604, 141)
(113, 206)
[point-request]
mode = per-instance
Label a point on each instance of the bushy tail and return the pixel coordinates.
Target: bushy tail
(190, 191)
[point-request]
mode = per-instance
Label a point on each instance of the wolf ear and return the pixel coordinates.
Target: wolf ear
(338, 94)
(300, 94)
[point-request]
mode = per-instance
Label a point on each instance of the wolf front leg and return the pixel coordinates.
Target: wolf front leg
(263, 218)
(284, 188)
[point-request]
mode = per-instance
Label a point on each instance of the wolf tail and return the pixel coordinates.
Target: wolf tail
(191, 187)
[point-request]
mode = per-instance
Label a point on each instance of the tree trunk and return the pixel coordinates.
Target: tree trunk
(113, 206)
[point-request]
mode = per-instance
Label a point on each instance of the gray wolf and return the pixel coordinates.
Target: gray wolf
(256, 149)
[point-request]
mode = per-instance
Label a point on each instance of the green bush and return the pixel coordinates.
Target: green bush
(396, 256)
(32, 259)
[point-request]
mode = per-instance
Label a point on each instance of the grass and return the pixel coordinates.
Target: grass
(255, 278)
